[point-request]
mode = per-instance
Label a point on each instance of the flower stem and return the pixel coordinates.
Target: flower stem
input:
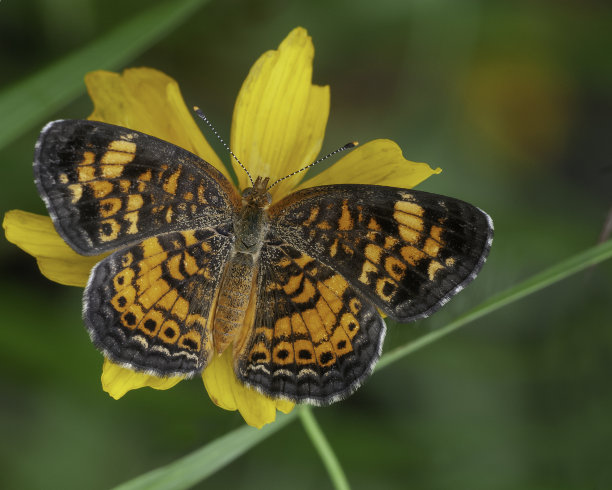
(320, 442)
(556, 273)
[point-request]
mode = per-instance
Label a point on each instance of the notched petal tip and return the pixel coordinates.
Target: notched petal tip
(285, 406)
(228, 393)
(117, 380)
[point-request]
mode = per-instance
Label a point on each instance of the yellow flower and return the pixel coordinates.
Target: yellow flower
(278, 126)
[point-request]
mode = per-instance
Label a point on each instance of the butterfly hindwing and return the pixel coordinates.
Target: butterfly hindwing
(148, 306)
(407, 251)
(314, 338)
(106, 186)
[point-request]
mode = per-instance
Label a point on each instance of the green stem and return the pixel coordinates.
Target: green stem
(312, 428)
(556, 273)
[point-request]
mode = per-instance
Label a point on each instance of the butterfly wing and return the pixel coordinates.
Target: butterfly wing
(314, 337)
(148, 306)
(167, 213)
(334, 255)
(407, 251)
(106, 186)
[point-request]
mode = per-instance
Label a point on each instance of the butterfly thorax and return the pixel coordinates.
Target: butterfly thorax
(251, 224)
(237, 289)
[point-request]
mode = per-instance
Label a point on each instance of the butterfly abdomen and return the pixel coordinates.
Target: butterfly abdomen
(233, 301)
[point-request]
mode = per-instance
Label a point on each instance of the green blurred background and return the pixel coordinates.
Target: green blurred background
(513, 99)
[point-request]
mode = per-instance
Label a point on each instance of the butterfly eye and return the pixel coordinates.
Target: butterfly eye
(247, 192)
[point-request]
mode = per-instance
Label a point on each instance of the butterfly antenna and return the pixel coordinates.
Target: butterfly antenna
(348, 146)
(202, 116)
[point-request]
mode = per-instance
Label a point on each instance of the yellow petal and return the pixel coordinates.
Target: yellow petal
(379, 162)
(219, 381)
(117, 381)
(280, 117)
(36, 235)
(226, 392)
(149, 101)
(284, 406)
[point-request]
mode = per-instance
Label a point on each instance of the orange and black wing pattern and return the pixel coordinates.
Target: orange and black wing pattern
(408, 252)
(106, 186)
(149, 306)
(167, 215)
(315, 337)
(334, 255)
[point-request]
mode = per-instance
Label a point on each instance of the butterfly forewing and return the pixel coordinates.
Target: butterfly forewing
(407, 251)
(106, 186)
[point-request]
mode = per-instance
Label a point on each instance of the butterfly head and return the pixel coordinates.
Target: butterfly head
(258, 195)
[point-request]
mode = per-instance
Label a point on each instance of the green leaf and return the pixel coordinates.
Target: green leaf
(31, 101)
(556, 273)
(190, 469)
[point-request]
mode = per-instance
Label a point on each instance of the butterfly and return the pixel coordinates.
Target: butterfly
(295, 288)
